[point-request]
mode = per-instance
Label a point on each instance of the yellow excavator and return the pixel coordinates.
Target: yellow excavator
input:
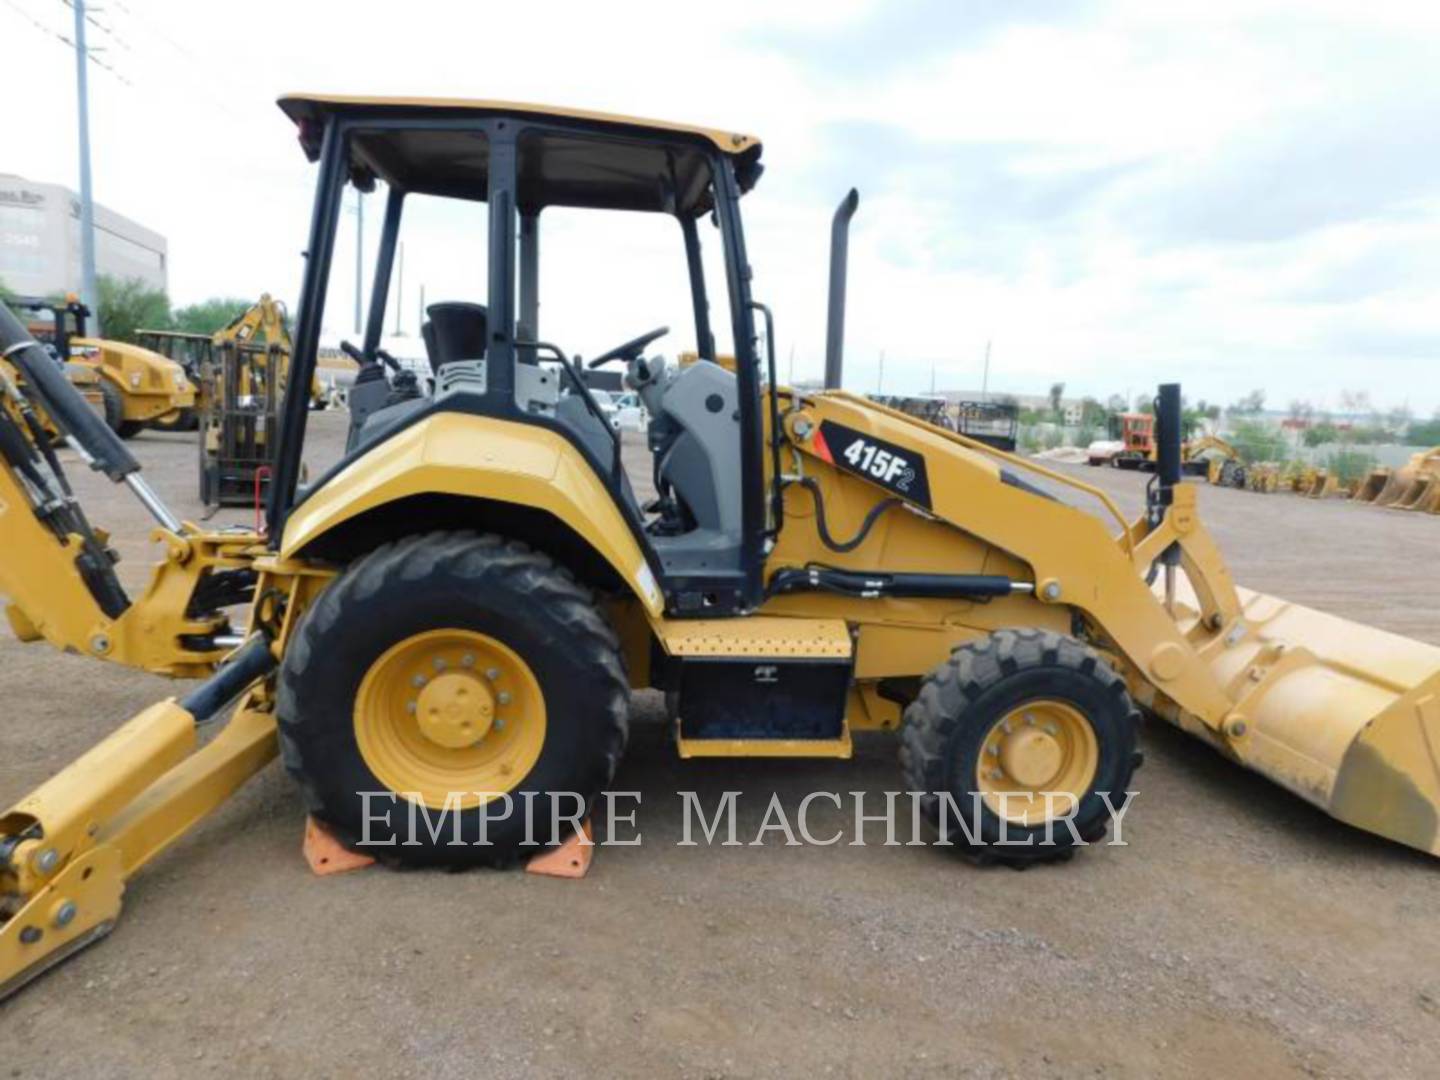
(138, 388)
(449, 621)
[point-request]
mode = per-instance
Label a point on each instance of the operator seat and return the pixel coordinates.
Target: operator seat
(694, 435)
(454, 331)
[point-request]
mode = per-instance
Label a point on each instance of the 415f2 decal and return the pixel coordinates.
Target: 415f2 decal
(892, 467)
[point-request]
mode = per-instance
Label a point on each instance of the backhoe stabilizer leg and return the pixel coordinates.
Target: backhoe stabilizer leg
(69, 847)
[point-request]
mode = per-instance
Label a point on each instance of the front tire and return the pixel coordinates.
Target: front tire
(452, 662)
(1006, 719)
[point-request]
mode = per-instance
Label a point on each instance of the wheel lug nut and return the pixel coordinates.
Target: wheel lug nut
(997, 774)
(418, 681)
(410, 707)
(1029, 718)
(503, 697)
(439, 663)
(492, 673)
(468, 660)
(499, 724)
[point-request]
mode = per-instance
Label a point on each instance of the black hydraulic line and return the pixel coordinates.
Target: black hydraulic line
(62, 515)
(843, 546)
(777, 488)
(249, 663)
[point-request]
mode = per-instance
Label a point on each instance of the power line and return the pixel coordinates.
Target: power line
(107, 31)
(69, 44)
(207, 70)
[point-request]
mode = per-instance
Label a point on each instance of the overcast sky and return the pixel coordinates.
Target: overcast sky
(1114, 194)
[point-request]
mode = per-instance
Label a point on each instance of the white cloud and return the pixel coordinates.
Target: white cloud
(1235, 194)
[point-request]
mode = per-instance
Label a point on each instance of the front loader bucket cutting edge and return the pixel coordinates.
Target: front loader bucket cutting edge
(1342, 714)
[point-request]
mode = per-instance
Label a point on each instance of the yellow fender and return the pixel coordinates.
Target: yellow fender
(453, 453)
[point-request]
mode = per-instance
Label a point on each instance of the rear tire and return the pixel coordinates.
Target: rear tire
(423, 588)
(114, 407)
(954, 723)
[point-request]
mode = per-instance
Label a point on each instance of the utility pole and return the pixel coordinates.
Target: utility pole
(420, 319)
(89, 292)
(932, 378)
(985, 379)
(359, 255)
(400, 289)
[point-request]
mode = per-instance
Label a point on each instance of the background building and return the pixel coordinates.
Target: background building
(40, 241)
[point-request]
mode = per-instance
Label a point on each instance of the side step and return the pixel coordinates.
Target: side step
(760, 686)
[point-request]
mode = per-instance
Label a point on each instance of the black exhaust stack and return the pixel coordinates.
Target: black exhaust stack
(1167, 438)
(839, 259)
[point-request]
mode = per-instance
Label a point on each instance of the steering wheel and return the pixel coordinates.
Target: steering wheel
(630, 349)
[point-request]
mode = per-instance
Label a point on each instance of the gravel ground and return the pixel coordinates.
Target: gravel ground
(1239, 933)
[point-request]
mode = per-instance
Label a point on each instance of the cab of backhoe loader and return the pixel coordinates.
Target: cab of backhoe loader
(701, 541)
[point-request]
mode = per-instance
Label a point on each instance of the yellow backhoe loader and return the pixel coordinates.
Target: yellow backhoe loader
(452, 617)
(137, 387)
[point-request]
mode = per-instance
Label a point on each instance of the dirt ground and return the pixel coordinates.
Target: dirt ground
(1239, 933)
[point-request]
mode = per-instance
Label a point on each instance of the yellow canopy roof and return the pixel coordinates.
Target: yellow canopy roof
(303, 106)
(647, 173)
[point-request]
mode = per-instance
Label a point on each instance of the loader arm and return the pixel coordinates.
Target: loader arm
(1346, 716)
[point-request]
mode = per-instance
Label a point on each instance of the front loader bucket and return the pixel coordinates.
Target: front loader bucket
(1419, 494)
(1373, 484)
(1343, 715)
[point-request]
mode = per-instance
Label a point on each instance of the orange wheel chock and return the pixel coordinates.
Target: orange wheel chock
(570, 860)
(326, 855)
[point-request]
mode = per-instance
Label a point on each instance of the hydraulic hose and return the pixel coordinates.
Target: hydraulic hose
(843, 546)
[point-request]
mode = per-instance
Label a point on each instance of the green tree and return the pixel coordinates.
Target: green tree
(1057, 393)
(1250, 404)
(1093, 414)
(129, 305)
(1424, 433)
(1256, 441)
(209, 315)
(1321, 433)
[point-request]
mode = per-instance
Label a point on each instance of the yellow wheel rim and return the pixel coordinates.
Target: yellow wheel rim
(450, 715)
(1041, 747)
